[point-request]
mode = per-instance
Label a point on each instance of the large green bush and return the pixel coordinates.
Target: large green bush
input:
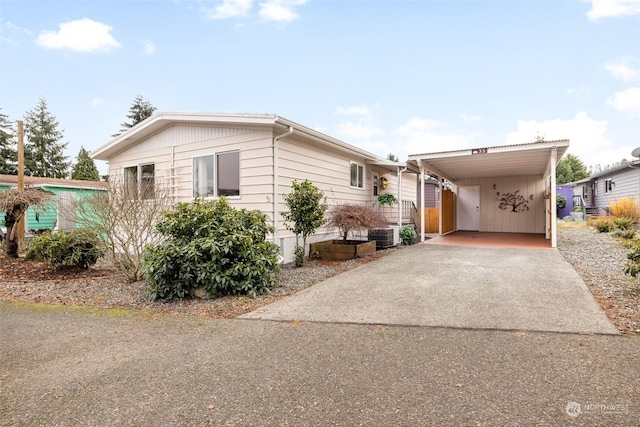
(77, 248)
(212, 246)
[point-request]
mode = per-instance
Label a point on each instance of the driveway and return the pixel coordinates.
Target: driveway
(455, 287)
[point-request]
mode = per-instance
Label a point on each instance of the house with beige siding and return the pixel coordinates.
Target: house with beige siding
(252, 160)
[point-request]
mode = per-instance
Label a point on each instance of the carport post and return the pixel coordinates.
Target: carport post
(421, 203)
(552, 195)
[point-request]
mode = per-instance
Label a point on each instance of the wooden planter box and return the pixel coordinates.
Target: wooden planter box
(382, 236)
(338, 250)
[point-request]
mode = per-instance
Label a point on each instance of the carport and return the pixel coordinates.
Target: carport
(500, 189)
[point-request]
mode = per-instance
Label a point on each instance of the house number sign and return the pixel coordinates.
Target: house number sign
(479, 151)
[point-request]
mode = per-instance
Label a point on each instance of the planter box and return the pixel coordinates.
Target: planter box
(382, 236)
(338, 250)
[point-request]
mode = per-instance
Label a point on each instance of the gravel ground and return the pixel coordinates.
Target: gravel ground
(598, 258)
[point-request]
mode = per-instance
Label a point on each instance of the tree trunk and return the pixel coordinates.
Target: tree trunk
(11, 239)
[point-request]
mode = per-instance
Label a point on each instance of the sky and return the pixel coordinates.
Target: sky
(389, 76)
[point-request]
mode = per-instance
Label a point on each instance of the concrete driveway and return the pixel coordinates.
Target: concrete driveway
(455, 287)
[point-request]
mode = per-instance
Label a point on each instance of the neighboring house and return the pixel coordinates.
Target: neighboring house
(598, 191)
(252, 160)
(565, 191)
(64, 194)
(505, 188)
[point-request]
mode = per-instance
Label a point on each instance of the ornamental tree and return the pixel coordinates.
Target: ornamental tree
(14, 203)
(348, 218)
(306, 211)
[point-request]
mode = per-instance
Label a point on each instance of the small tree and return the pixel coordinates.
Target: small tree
(85, 168)
(348, 218)
(14, 204)
(306, 212)
(126, 223)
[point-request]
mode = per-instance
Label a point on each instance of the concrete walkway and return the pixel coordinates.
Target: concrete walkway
(453, 286)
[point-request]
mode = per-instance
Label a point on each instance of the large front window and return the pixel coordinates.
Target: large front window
(217, 175)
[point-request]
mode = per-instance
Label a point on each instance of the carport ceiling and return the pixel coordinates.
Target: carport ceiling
(504, 160)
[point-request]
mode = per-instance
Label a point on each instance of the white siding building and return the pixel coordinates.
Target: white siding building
(252, 159)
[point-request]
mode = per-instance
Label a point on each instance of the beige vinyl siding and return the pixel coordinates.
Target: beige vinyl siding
(494, 219)
(178, 145)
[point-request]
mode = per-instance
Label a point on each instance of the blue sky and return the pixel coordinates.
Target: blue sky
(405, 77)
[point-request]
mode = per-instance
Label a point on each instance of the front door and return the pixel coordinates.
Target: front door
(468, 212)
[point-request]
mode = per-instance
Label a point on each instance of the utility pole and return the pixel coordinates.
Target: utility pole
(20, 224)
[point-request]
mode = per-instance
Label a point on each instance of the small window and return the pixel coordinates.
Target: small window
(131, 182)
(147, 181)
(375, 182)
(217, 175)
(357, 175)
(608, 185)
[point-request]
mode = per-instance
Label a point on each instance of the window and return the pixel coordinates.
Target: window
(139, 181)
(225, 167)
(375, 184)
(357, 175)
(147, 181)
(608, 185)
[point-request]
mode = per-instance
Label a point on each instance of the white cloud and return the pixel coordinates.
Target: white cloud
(424, 135)
(358, 110)
(626, 101)
(577, 91)
(230, 9)
(96, 102)
(467, 118)
(149, 47)
(83, 35)
(626, 70)
(587, 137)
(612, 8)
(280, 10)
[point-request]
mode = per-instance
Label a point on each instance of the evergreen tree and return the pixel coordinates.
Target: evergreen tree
(570, 169)
(85, 168)
(140, 110)
(392, 157)
(43, 151)
(8, 149)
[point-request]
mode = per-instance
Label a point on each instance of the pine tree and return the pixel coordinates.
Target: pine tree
(85, 168)
(8, 149)
(140, 110)
(43, 151)
(570, 169)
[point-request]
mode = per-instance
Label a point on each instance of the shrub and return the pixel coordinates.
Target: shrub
(626, 234)
(348, 218)
(625, 208)
(561, 201)
(211, 245)
(624, 223)
(632, 268)
(298, 256)
(408, 235)
(604, 226)
(77, 248)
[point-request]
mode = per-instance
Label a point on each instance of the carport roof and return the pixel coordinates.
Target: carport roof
(503, 160)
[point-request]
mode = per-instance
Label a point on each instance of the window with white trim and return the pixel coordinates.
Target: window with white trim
(357, 175)
(217, 175)
(608, 185)
(140, 181)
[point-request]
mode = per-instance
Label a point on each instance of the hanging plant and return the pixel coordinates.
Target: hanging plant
(387, 199)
